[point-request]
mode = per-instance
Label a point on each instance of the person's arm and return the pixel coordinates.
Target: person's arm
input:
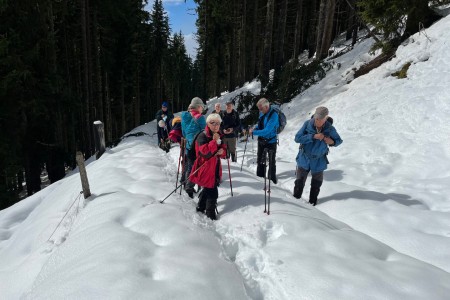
(237, 125)
(270, 129)
(158, 115)
(206, 149)
(334, 139)
(302, 136)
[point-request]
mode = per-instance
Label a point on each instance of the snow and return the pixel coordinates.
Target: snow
(381, 229)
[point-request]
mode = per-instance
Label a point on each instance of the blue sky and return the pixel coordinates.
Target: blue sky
(182, 18)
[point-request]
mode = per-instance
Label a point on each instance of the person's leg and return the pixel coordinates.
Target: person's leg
(316, 183)
(232, 148)
(201, 205)
(272, 164)
(300, 182)
(211, 202)
(159, 133)
(189, 186)
(226, 142)
(261, 161)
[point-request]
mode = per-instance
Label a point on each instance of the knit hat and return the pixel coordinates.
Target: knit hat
(321, 113)
(165, 104)
(196, 102)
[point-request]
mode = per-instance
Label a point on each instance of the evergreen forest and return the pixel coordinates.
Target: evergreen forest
(67, 63)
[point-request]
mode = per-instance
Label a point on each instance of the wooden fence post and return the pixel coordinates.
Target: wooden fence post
(83, 175)
(99, 137)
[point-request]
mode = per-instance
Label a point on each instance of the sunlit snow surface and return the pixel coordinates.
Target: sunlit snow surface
(381, 229)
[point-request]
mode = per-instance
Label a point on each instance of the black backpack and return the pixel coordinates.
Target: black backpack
(282, 120)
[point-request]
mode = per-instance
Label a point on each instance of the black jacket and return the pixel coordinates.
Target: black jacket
(231, 120)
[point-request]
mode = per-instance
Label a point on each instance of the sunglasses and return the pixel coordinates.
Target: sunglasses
(214, 123)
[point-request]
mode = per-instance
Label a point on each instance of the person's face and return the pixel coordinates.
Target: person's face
(319, 123)
(214, 125)
(164, 108)
(262, 108)
(229, 107)
(217, 107)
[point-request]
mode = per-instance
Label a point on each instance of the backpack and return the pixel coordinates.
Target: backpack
(282, 121)
(192, 154)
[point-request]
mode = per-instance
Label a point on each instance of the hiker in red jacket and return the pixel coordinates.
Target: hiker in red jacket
(207, 166)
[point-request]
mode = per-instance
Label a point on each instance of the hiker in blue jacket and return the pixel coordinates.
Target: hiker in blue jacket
(266, 130)
(192, 122)
(315, 136)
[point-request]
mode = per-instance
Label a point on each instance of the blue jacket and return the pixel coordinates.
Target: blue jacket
(312, 153)
(191, 123)
(269, 130)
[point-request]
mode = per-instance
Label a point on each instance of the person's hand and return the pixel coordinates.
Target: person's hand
(250, 131)
(163, 115)
(319, 136)
(219, 152)
(216, 136)
(328, 141)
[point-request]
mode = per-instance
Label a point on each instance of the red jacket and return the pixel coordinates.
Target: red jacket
(208, 164)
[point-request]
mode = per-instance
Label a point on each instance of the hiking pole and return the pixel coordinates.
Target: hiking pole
(271, 156)
(162, 201)
(229, 176)
(265, 178)
(186, 180)
(253, 149)
(245, 148)
(183, 168)
(179, 161)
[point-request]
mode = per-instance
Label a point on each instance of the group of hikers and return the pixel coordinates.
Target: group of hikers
(206, 140)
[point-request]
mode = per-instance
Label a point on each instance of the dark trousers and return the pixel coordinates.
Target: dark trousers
(207, 201)
(189, 186)
(316, 183)
(261, 160)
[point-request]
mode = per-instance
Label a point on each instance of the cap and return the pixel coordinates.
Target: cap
(321, 113)
(196, 102)
(165, 104)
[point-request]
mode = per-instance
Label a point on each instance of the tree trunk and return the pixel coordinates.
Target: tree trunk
(84, 43)
(298, 30)
(243, 44)
(282, 32)
(98, 72)
(254, 54)
(267, 50)
(123, 127)
(325, 28)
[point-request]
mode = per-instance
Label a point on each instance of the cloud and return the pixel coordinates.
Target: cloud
(191, 45)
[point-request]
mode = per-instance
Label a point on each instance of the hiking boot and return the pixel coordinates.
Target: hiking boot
(198, 209)
(190, 193)
(211, 208)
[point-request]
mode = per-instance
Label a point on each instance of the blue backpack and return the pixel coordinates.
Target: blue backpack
(281, 118)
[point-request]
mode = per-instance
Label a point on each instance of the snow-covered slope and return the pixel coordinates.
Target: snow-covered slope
(381, 229)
